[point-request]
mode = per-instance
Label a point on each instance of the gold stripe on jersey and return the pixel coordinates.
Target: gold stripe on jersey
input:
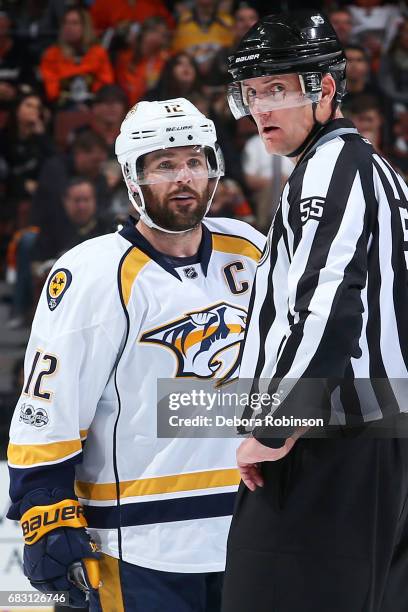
(235, 245)
(26, 455)
(159, 485)
(110, 592)
(83, 434)
(134, 261)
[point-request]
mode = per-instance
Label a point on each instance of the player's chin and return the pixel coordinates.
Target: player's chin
(186, 224)
(188, 216)
(180, 222)
(177, 229)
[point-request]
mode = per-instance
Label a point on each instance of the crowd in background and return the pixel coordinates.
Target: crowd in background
(70, 71)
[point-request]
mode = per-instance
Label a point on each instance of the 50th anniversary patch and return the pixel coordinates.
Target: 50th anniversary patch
(57, 286)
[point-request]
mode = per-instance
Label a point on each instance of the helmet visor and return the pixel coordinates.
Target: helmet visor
(179, 163)
(256, 96)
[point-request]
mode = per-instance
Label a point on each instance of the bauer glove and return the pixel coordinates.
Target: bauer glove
(58, 553)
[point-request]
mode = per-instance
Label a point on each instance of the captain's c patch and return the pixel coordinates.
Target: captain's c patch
(57, 286)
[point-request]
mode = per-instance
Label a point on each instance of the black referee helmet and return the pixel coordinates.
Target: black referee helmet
(301, 42)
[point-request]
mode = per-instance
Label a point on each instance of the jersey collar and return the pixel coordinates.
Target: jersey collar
(334, 128)
(132, 234)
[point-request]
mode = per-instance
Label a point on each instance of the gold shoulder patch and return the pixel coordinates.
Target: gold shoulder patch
(57, 286)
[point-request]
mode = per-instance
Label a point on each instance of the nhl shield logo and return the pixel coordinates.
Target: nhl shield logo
(317, 20)
(190, 272)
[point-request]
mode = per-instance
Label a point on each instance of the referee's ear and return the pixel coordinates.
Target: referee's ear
(325, 105)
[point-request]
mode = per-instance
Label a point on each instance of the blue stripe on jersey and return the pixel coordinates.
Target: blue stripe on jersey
(162, 511)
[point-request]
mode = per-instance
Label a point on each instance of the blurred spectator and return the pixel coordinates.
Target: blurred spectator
(120, 206)
(108, 111)
(75, 68)
(105, 116)
(366, 114)
(358, 74)
(202, 31)
(27, 19)
(15, 65)
(393, 75)
(138, 68)
(229, 201)
(341, 21)
(52, 17)
(82, 223)
(120, 14)
(374, 24)
(19, 274)
(49, 216)
(8, 401)
(86, 159)
(265, 176)
(180, 78)
(399, 152)
(245, 17)
(24, 146)
(225, 136)
(401, 132)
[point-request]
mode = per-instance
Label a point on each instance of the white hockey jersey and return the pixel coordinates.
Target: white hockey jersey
(99, 342)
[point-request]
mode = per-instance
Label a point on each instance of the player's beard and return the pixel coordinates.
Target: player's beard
(167, 215)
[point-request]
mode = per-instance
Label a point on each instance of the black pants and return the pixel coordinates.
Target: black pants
(327, 533)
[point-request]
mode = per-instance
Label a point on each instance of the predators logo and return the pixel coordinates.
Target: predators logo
(205, 342)
(58, 284)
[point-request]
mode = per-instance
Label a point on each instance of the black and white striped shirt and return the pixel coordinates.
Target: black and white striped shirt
(330, 298)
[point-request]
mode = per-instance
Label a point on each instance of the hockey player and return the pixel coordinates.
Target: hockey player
(164, 297)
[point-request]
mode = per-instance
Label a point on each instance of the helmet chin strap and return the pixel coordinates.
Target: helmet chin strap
(317, 127)
(147, 219)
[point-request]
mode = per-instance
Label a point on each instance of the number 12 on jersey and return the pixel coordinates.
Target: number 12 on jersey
(48, 365)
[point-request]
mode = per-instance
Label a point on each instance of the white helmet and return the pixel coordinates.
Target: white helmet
(151, 126)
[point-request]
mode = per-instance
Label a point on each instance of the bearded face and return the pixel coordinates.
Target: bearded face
(176, 187)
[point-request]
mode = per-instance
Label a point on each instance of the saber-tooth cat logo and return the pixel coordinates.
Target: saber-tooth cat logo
(205, 342)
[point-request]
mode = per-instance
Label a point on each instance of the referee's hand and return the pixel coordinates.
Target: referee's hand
(251, 452)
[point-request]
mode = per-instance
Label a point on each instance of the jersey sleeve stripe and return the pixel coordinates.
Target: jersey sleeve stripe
(83, 433)
(160, 485)
(26, 455)
(131, 265)
(235, 245)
